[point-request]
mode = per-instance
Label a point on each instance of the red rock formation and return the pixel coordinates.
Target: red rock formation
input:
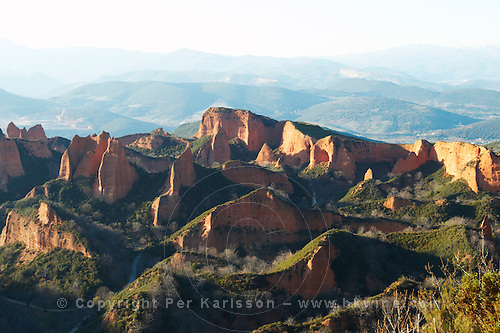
(33, 134)
(478, 166)
(115, 176)
(13, 131)
(182, 173)
(41, 234)
(131, 138)
(254, 176)
(103, 157)
(252, 129)
(294, 149)
(309, 277)
(395, 203)
(368, 174)
(219, 149)
(155, 140)
(258, 218)
(37, 148)
(419, 153)
(343, 154)
(266, 156)
(10, 161)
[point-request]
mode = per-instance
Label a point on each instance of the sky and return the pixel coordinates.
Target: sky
(233, 27)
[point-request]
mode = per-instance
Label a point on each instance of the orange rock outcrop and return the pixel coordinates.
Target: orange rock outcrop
(33, 134)
(310, 277)
(10, 161)
(115, 176)
(103, 157)
(395, 203)
(344, 154)
(419, 153)
(294, 149)
(41, 234)
(182, 174)
(219, 148)
(478, 166)
(266, 156)
(368, 174)
(252, 129)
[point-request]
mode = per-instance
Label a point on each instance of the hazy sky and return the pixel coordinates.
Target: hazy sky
(234, 27)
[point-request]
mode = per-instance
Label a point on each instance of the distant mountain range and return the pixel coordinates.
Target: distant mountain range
(395, 95)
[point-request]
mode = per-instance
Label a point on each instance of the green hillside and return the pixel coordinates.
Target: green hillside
(374, 117)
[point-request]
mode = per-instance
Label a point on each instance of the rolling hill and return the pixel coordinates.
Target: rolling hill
(169, 104)
(378, 118)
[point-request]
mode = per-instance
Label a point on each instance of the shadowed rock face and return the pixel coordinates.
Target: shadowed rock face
(10, 161)
(104, 158)
(41, 234)
(262, 218)
(309, 277)
(182, 173)
(33, 134)
(252, 129)
(256, 177)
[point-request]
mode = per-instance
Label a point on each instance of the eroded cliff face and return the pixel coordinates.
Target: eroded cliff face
(263, 218)
(252, 129)
(115, 176)
(33, 134)
(256, 177)
(345, 154)
(478, 166)
(104, 158)
(10, 161)
(182, 173)
(258, 218)
(295, 147)
(308, 278)
(418, 154)
(40, 234)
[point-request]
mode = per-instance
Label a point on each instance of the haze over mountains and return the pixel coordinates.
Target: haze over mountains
(395, 95)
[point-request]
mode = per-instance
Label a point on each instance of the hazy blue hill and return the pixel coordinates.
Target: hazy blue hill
(383, 89)
(67, 122)
(34, 85)
(169, 104)
(471, 97)
(482, 84)
(376, 117)
(473, 102)
(13, 107)
(433, 63)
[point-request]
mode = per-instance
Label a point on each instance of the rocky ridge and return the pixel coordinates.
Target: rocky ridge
(40, 234)
(104, 158)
